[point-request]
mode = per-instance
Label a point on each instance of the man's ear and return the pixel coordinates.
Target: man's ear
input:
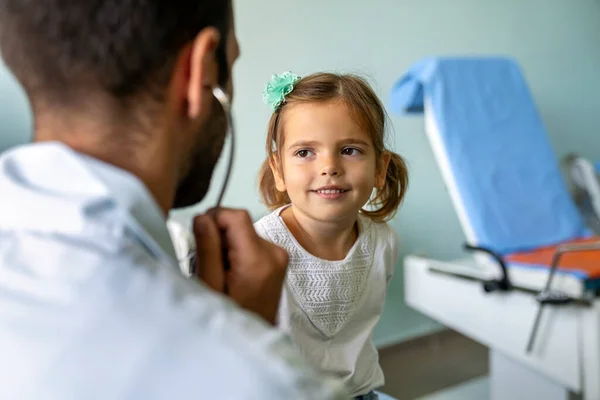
(382, 170)
(203, 71)
(277, 174)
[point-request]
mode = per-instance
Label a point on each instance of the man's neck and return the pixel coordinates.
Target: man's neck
(147, 158)
(326, 240)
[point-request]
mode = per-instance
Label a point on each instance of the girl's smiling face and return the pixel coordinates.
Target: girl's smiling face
(328, 164)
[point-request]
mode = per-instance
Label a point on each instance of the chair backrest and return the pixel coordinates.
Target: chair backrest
(495, 156)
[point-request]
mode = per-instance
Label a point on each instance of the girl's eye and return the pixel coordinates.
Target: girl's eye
(350, 151)
(303, 153)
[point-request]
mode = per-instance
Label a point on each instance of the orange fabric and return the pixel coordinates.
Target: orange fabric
(587, 262)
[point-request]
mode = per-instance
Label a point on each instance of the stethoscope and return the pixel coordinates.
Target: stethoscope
(223, 99)
(225, 102)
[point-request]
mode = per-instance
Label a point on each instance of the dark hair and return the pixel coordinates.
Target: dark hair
(65, 49)
(367, 111)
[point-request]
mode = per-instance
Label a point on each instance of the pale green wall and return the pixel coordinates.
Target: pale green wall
(556, 42)
(15, 115)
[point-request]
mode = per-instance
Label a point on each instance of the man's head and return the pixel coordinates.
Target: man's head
(128, 77)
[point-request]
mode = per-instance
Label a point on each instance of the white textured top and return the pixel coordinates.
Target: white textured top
(330, 308)
(93, 306)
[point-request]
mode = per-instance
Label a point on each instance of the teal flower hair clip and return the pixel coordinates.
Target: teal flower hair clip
(278, 87)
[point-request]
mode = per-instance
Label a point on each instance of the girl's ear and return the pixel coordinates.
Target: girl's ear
(277, 173)
(382, 170)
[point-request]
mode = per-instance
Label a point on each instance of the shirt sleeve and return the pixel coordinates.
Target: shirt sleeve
(244, 360)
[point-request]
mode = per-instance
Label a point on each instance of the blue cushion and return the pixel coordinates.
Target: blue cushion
(504, 167)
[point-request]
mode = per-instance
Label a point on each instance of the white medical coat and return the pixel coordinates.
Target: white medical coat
(92, 305)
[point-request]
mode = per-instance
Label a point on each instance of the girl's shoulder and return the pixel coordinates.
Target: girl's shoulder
(270, 226)
(382, 231)
(384, 235)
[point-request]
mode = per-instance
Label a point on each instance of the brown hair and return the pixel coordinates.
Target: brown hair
(60, 49)
(366, 109)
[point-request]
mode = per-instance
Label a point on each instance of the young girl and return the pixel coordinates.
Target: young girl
(332, 184)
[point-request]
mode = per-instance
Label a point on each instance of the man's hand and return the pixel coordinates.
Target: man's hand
(256, 267)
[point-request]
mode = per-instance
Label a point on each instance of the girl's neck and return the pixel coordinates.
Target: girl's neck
(327, 240)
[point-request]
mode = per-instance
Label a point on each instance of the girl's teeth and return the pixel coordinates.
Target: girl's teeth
(330, 191)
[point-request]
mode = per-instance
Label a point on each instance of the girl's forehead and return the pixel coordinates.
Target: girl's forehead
(320, 122)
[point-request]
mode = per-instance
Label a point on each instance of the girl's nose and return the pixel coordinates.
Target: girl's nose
(330, 167)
